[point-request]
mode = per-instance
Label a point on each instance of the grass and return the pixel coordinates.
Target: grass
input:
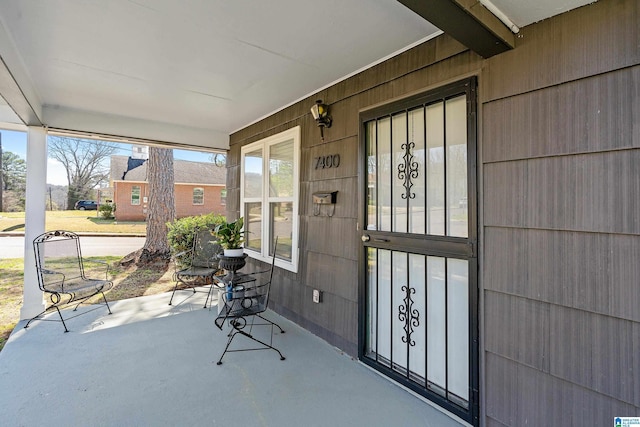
(78, 221)
(11, 274)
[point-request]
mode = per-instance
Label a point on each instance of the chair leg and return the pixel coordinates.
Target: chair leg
(173, 293)
(105, 302)
(273, 323)
(251, 337)
(261, 342)
(42, 314)
(61, 319)
(208, 296)
(225, 348)
(176, 287)
(86, 298)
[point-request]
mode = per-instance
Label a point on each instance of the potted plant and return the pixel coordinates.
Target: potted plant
(230, 237)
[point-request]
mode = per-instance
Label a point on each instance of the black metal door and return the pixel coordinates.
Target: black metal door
(418, 317)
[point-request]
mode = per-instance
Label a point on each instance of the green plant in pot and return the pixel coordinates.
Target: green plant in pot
(230, 236)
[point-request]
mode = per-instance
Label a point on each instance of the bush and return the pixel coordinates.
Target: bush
(181, 231)
(107, 210)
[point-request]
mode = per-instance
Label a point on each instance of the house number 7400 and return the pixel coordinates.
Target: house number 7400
(330, 161)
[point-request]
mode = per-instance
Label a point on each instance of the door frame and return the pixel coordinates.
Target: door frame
(466, 86)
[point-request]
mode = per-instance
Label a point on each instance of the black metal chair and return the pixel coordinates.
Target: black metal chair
(197, 266)
(61, 274)
(241, 308)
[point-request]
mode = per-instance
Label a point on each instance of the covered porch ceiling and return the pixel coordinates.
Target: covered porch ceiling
(191, 72)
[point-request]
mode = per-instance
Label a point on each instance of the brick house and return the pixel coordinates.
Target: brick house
(199, 188)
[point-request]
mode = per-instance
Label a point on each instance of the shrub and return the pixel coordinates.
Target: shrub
(181, 231)
(107, 210)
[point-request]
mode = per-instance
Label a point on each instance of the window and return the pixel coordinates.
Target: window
(135, 195)
(198, 196)
(223, 197)
(269, 197)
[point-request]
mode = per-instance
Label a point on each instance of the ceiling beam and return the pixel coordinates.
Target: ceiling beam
(467, 21)
(61, 119)
(15, 85)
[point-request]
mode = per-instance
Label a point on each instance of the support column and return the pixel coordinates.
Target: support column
(35, 206)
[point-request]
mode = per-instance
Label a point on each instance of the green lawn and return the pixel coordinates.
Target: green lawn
(76, 221)
(11, 274)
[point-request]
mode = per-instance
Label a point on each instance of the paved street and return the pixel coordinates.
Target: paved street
(13, 247)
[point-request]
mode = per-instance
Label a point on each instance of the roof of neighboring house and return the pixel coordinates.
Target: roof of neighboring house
(184, 171)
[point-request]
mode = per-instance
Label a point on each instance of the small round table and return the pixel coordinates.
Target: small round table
(231, 264)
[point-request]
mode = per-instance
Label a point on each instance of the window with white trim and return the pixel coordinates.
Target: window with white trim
(269, 197)
(198, 196)
(135, 195)
(223, 197)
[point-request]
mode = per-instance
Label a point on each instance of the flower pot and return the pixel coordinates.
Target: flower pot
(234, 252)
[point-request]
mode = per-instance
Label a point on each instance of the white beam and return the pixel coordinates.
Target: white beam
(61, 118)
(35, 206)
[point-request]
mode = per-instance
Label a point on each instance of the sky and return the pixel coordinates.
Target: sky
(16, 142)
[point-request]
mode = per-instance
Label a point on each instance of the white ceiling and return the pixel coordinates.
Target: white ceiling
(193, 71)
(525, 12)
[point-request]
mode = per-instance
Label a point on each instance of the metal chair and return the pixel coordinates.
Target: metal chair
(241, 308)
(200, 262)
(61, 274)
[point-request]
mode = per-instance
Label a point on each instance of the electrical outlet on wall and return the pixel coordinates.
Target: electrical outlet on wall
(317, 296)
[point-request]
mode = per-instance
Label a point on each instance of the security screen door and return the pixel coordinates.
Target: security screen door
(419, 281)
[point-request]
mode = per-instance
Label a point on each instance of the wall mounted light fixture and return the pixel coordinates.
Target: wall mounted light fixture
(320, 113)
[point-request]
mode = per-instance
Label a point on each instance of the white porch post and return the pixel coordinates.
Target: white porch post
(35, 206)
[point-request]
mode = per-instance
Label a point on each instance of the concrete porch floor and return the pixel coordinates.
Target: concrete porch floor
(151, 364)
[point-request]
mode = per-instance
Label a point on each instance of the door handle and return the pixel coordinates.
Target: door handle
(379, 239)
(365, 238)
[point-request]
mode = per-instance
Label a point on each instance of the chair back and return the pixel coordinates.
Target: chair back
(262, 291)
(273, 264)
(254, 300)
(244, 311)
(57, 251)
(205, 249)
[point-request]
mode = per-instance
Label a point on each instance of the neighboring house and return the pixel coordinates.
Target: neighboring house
(199, 188)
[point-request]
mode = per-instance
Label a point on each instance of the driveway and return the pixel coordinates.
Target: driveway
(13, 246)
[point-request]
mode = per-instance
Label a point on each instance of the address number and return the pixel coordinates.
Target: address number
(330, 161)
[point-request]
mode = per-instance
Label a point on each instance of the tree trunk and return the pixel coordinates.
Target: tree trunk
(161, 205)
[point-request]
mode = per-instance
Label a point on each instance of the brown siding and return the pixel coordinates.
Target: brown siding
(559, 149)
(585, 42)
(330, 245)
(560, 137)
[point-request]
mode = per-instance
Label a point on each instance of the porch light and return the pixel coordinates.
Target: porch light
(320, 113)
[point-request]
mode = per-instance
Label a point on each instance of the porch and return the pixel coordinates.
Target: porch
(153, 364)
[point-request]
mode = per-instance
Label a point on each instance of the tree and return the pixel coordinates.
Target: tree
(14, 178)
(14, 172)
(162, 208)
(84, 161)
